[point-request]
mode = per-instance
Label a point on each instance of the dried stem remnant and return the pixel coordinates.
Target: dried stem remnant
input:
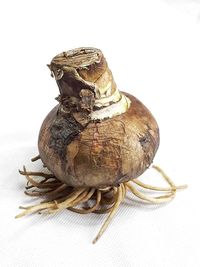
(59, 196)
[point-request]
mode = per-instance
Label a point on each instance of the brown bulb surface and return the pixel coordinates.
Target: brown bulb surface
(103, 153)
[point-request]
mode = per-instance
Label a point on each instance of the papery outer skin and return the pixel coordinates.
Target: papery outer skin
(104, 153)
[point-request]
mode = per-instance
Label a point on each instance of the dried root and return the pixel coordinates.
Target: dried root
(58, 196)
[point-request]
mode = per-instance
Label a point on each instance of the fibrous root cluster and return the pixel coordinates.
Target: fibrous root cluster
(59, 196)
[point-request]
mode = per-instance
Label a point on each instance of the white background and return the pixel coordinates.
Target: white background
(153, 49)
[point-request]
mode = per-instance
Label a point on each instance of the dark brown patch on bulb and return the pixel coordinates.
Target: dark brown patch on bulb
(62, 131)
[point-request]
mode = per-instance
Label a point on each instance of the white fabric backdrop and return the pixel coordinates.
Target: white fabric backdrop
(162, 68)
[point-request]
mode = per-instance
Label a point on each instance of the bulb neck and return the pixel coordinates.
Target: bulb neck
(86, 83)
